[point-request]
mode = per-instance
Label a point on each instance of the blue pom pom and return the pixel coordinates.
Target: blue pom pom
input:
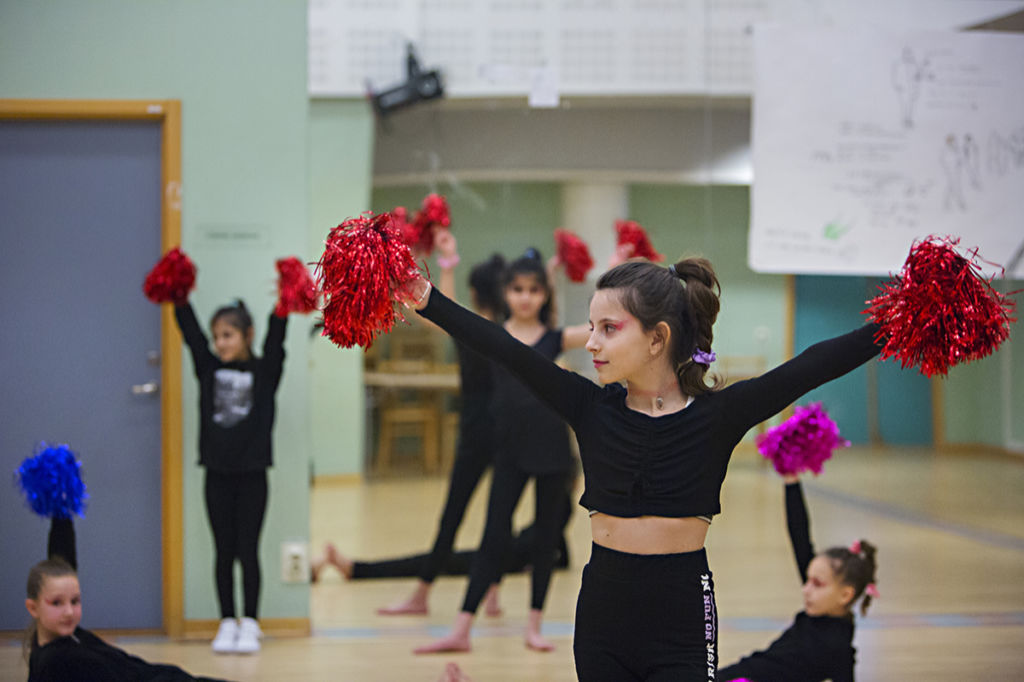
(52, 482)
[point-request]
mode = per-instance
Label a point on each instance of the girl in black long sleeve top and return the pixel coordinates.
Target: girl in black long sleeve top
(819, 643)
(531, 442)
(59, 648)
(654, 454)
(236, 420)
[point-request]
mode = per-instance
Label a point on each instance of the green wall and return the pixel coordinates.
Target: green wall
(340, 153)
(712, 221)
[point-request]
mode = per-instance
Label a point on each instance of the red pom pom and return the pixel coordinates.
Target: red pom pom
(364, 267)
(631, 234)
(574, 253)
(296, 290)
(432, 216)
(803, 442)
(939, 310)
(410, 231)
(171, 279)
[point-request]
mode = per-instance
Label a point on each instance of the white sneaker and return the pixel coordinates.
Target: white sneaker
(226, 641)
(249, 635)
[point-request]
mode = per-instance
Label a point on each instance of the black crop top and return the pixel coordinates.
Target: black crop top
(638, 465)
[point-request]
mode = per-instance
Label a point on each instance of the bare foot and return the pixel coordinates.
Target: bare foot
(315, 567)
(453, 673)
(491, 606)
(453, 642)
(414, 605)
(339, 561)
(536, 642)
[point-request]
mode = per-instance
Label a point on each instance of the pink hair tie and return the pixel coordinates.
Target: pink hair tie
(871, 591)
(855, 547)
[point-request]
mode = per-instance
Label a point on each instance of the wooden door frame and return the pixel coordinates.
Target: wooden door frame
(168, 114)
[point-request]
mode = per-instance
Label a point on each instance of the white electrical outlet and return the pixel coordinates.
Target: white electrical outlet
(294, 562)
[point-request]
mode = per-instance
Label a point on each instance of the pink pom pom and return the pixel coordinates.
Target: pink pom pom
(362, 273)
(171, 279)
(803, 442)
(634, 241)
(574, 253)
(296, 290)
(939, 311)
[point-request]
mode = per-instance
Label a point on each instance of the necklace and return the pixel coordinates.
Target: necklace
(658, 402)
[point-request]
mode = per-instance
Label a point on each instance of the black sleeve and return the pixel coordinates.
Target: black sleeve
(61, 541)
(755, 400)
(563, 391)
(844, 672)
(799, 525)
(197, 342)
(273, 347)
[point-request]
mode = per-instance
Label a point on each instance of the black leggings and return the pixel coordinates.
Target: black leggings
(646, 617)
(506, 488)
(473, 456)
(516, 559)
(235, 505)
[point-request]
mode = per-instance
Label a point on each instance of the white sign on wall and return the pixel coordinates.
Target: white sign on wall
(865, 140)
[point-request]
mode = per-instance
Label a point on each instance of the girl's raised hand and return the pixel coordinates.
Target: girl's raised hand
(446, 245)
(416, 292)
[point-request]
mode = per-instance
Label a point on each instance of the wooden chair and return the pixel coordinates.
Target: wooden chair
(409, 412)
(417, 421)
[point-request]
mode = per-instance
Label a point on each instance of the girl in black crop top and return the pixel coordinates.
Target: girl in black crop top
(654, 441)
(819, 644)
(531, 442)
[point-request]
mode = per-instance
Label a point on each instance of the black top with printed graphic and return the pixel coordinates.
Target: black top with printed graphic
(813, 648)
(236, 399)
(635, 464)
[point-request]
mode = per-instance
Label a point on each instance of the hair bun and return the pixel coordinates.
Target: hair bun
(532, 254)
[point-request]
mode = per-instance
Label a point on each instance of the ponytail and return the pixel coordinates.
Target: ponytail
(855, 566)
(685, 296)
(486, 281)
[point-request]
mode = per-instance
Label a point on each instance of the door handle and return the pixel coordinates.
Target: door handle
(147, 388)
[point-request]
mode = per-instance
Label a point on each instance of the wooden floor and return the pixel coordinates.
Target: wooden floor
(950, 531)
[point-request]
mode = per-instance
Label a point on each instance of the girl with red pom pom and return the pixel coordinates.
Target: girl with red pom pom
(475, 446)
(532, 442)
(237, 392)
(819, 644)
(655, 441)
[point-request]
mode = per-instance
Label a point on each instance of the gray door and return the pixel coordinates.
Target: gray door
(79, 228)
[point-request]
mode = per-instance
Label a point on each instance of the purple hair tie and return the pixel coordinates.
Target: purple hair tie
(702, 358)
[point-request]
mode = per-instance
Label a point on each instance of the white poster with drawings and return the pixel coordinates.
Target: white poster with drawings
(865, 140)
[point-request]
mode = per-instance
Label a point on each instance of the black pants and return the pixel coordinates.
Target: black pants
(235, 506)
(474, 454)
(646, 617)
(506, 488)
(459, 563)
